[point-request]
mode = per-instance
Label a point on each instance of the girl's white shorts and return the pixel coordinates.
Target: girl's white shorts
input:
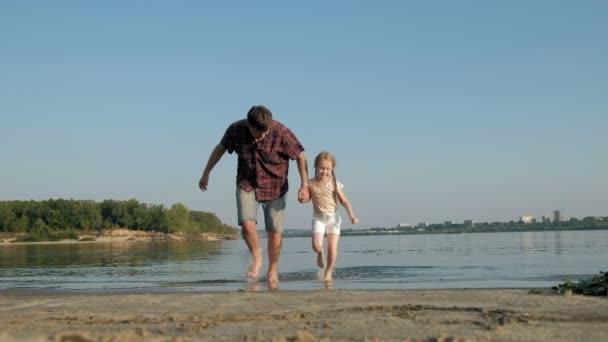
(328, 225)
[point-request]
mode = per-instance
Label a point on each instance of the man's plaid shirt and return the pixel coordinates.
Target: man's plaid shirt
(262, 166)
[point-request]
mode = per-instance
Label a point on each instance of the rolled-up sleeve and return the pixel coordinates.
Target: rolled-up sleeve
(291, 145)
(228, 139)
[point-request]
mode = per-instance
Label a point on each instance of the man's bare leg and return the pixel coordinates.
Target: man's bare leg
(250, 235)
(275, 241)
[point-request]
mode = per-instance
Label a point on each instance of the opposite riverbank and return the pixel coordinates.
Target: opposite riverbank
(425, 315)
(125, 235)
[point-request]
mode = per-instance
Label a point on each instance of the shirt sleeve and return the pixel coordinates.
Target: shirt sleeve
(228, 139)
(291, 145)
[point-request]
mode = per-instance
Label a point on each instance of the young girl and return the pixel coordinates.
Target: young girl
(325, 192)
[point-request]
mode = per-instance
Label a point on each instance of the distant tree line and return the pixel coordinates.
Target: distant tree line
(60, 218)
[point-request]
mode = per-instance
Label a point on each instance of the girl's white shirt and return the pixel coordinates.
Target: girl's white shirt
(324, 199)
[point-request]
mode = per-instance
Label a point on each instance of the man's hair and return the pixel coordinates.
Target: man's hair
(260, 118)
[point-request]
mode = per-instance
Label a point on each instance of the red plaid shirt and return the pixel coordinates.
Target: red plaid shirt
(262, 166)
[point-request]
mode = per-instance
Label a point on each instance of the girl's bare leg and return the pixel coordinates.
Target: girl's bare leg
(317, 246)
(332, 255)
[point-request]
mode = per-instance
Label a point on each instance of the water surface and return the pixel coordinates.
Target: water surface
(477, 260)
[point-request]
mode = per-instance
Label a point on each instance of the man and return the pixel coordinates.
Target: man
(264, 147)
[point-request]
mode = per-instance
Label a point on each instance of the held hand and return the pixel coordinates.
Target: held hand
(354, 220)
(304, 195)
(202, 184)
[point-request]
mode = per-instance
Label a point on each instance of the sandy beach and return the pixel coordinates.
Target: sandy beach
(329, 315)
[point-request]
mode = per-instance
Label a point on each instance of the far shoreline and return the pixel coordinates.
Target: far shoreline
(118, 235)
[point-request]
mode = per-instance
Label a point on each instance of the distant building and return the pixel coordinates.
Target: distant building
(448, 223)
(528, 219)
(423, 224)
(469, 224)
(545, 219)
(405, 225)
(557, 216)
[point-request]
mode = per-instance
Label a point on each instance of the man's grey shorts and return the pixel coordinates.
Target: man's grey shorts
(247, 209)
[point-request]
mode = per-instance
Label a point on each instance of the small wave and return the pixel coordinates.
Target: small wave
(202, 282)
(359, 273)
(365, 272)
(377, 251)
(554, 277)
(473, 267)
(298, 276)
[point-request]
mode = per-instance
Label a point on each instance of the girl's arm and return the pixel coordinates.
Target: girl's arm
(349, 208)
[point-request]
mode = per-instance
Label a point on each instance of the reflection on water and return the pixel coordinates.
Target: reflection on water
(527, 259)
(550, 241)
(103, 254)
(106, 266)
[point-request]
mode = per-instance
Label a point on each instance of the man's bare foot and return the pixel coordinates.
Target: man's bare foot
(320, 260)
(272, 276)
(254, 267)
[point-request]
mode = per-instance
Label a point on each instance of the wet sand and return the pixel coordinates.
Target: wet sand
(329, 315)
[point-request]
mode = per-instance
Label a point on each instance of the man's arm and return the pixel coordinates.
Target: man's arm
(215, 156)
(303, 193)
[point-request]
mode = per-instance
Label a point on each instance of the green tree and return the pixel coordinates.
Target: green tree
(7, 217)
(39, 228)
(157, 219)
(60, 218)
(590, 221)
(209, 222)
(179, 218)
(21, 225)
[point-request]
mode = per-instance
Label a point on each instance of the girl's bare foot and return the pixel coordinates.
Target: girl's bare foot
(320, 260)
(328, 276)
(320, 274)
(273, 280)
(273, 285)
(254, 267)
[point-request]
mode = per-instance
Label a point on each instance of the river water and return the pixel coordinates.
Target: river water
(433, 261)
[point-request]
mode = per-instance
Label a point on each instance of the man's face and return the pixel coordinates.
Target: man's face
(258, 135)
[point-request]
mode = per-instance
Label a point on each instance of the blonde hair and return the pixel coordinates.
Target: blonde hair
(331, 158)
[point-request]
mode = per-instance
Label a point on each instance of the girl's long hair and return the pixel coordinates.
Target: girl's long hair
(328, 156)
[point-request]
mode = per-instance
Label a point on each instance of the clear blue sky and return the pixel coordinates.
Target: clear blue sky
(436, 110)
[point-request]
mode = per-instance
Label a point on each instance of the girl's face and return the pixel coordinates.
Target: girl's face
(324, 169)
